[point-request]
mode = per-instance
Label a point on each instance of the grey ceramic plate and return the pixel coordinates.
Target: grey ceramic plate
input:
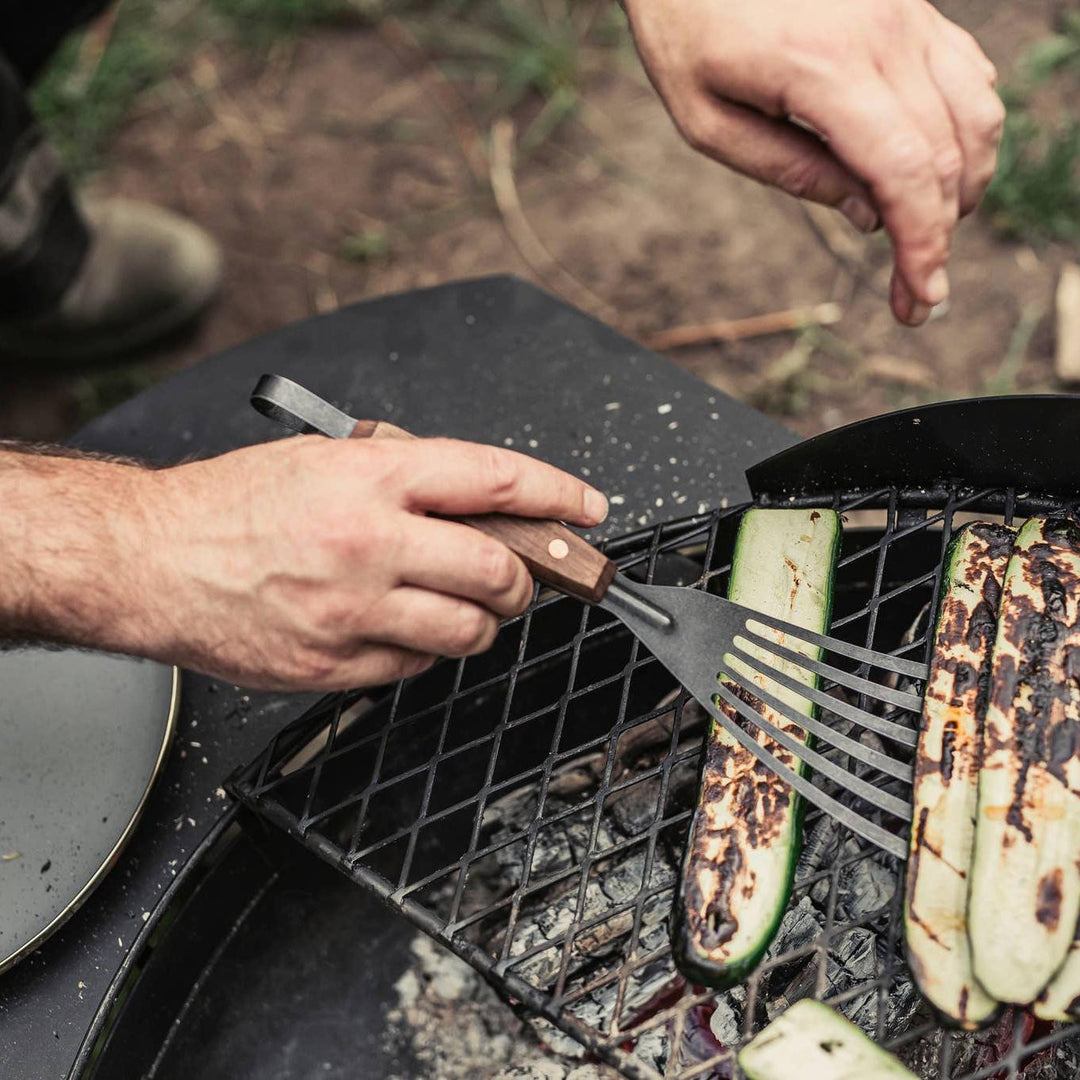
(82, 737)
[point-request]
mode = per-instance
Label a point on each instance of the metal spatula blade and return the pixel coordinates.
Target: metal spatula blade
(706, 628)
(696, 635)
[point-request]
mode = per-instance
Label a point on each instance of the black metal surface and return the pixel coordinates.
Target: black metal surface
(487, 360)
(406, 797)
(1026, 442)
(251, 943)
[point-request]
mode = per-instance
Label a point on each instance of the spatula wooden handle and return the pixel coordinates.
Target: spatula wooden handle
(553, 553)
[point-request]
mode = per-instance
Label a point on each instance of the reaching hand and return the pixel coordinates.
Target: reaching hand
(302, 564)
(904, 121)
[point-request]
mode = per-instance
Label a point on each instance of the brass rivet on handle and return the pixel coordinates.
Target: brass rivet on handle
(558, 549)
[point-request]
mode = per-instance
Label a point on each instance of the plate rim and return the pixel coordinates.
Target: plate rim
(110, 860)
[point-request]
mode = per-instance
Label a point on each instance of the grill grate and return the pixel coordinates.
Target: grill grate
(529, 807)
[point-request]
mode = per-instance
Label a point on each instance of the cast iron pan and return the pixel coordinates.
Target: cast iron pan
(82, 737)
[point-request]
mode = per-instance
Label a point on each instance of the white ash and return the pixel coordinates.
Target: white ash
(457, 1028)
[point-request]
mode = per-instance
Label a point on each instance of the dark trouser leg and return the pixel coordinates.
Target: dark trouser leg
(43, 238)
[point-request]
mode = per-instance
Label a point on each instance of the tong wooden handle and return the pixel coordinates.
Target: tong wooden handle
(553, 553)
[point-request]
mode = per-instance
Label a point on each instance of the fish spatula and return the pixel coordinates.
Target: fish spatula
(695, 634)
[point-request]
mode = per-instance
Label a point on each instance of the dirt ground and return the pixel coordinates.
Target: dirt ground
(339, 133)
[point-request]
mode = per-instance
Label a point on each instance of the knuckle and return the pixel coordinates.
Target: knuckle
(471, 630)
(798, 177)
(694, 126)
(989, 118)
(908, 157)
(497, 566)
(409, 664)
(929, 250)
(501, 473)
(524, 599)
(330, 616)
(949, 163)
(348, 538)
(886, 16)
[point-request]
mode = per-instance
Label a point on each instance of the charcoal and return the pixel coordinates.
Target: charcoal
(799, 929)
(820, 845)
(866, 886)
(634, 809)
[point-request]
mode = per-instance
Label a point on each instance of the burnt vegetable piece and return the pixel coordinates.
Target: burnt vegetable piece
(814, 1042)
(947, 776)
(1025, 881)
(744, 839)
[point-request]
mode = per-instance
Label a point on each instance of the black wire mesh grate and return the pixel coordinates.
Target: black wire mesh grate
(529, 807)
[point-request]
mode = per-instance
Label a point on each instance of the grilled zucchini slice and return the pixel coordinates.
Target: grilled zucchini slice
(947, 776)
(745, 835)
(1025, 877)
(1060, 999)
(813, 1042)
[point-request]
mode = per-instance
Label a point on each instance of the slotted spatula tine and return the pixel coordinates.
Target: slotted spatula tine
(913, 669)
(877, 834)
(887, 695)
(877, 759)
(889, 729)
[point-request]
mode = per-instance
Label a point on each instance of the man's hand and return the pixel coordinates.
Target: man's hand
(902, 100)
(302, 564)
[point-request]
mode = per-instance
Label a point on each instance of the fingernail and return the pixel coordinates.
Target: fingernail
(919, 313)
(860, 213)
(937, 287)
(596, 506)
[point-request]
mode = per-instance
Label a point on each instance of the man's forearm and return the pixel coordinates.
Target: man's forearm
(74, 537)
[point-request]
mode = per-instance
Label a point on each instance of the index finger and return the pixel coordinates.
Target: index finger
(453, 477)
(868, 129)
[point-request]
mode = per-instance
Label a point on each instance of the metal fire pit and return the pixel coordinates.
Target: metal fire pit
(529, 807)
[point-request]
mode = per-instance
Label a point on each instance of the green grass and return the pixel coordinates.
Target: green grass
(81, 102)
(1035, 194)
(81, 108)
(510, 53)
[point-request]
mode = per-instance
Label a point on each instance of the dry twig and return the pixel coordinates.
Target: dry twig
(772, 322)
(529, 245)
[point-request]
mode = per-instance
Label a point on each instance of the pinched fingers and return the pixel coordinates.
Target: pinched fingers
(452, 477)
(900, 169)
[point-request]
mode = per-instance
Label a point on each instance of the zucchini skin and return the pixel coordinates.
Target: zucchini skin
(811, 1041)
(746, 831)
(947, 775)
(1025, 881)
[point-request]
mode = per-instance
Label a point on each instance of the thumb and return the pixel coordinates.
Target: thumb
(783, 155)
